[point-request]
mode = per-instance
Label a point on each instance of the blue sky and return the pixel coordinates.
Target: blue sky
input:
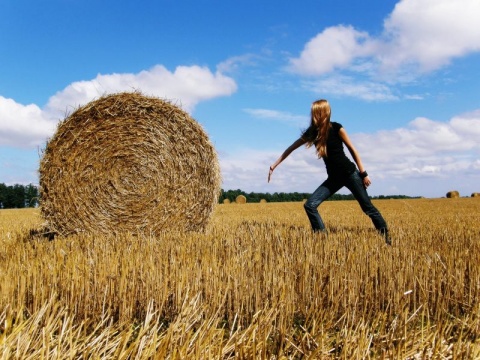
(401, 76)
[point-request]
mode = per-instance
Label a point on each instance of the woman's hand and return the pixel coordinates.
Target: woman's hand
(270, 173)
(366, 181)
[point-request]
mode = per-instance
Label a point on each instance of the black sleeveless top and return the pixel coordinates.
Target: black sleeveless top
(336, 162)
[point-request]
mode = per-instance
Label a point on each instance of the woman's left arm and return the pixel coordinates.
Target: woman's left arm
(356, 156)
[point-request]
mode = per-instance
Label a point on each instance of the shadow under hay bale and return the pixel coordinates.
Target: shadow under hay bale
(128, 162)
(453, 194)
(39, 234)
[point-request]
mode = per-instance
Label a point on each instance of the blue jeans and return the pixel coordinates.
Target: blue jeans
(354, 183)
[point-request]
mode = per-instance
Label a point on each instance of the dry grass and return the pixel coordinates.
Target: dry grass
(128, 162)
(256, 284)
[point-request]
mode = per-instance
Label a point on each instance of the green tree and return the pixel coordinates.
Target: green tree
(18, 196)
(31, 195)
(3, 194)
(9, 198)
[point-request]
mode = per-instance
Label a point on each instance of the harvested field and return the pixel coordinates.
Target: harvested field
(256, 284)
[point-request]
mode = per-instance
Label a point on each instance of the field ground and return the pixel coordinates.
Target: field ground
(257, 285)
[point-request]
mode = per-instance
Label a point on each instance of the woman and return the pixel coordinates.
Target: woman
(328, 139)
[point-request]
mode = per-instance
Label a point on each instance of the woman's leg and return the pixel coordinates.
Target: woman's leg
(322, 193)
(355, 185)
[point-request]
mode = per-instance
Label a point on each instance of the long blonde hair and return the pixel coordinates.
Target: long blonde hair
(319, 125)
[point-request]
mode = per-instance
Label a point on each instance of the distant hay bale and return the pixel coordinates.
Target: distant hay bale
(226, 201)
(128, 162)
(453, 194)
(263, 201)
(240, 199)
(475, 194)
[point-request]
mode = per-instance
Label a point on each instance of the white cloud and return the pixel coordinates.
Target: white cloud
(286, 117)
(346, 86)
(235, 62)
(414, 97)
(23, 125)
(336, 47)
(187, 85)
(430, 32)
(418, 36)
(423, 140)
(29, 125)
(468, 124)
(428, 153)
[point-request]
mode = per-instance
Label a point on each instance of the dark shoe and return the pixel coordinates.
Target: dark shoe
(386, 236)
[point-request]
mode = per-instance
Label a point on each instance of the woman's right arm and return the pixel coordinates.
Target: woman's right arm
(299, 142)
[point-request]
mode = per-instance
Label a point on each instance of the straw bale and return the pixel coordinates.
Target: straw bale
(128, 163)
(453, 194)
(226, 201)
(240, 199)
(263, 201)
(475, 194)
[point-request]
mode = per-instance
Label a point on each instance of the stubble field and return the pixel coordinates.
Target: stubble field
(257, 285)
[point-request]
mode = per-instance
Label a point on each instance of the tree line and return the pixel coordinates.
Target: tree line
(255, 197)
(22, 196)
(18, 196)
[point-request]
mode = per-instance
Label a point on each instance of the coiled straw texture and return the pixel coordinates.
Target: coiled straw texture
(128, 163)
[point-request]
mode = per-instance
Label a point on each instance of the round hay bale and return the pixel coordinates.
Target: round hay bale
(226, 201)
(453, 194)
(263, 201)
(240, 199)
(475, 194)
(128, 163)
